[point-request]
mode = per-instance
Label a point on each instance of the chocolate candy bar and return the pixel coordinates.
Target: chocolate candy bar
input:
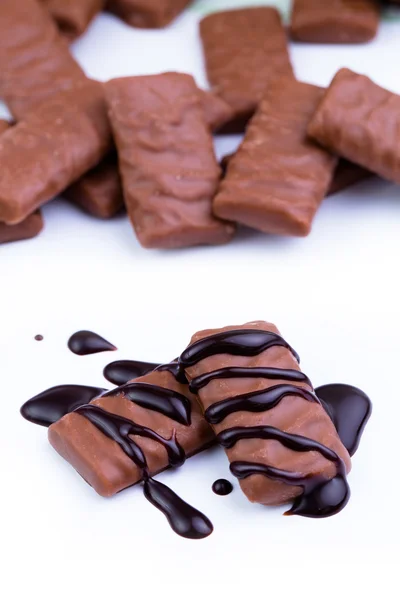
(217, 112)
(244, 50)
(280, 441)
(148, 13)
(25, 230)
(44, 154)
(74, 16)
(158, 410)
(99, 192)
(335, 21)
(360, 121)
(277, 179)
(167, 161)
(4, 125)
(346, 175)
(35, 62)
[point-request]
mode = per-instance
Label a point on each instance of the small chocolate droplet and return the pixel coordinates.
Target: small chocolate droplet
(87, 342)
(222, 487)
(38, 337)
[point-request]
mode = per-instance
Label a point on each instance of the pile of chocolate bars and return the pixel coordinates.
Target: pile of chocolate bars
(239, 386)
(145, 143)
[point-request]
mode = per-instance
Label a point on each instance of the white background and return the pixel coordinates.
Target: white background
(335, 297)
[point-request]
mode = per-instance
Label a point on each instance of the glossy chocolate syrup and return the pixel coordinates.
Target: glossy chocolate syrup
(242, 372)
(168, 402)
(349, 409)
(320, 497)
(184, 519)
(87, 342)
(258, 401)
(52, 404)
(38, 337)
(222, 487)
(120, 372)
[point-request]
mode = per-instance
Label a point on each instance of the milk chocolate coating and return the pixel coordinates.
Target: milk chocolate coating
(148, 13)
(167, 161)
(346, 175)
(277, 179)
(102, 462)
(35, 62)
(45, 153)
(293, 415)
(99, 192)
(244, 50)
(73, 16)
(25, 230)
(334, 21)
(217, 112)
(360, 121)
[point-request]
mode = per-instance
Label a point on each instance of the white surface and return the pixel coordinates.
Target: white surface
(335, 297)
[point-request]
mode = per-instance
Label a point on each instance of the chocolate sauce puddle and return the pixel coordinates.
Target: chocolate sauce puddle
(222, 487)
(320, 497)
(87, 342)
(120, 372)
(153, 397)
(184, 519)
(349, 409)
(52, 404)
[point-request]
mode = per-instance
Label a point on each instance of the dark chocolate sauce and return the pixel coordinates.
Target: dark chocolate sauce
(349, 409)
(241, 372)
(222, 487)
(320, 497)
(52, 404)
(239, 342)
(38, 337)
(120, 429)
(120, 372)
(176, 369)
(169, 403)
(258, 401)
(184, 519)
(87, 342)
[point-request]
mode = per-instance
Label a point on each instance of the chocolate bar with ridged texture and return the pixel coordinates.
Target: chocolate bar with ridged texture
(29, 228)
(165, 415)
(280, 441)
(278, 178)
(73, 16)
(46, 152)
(167, 162)
(35, 62)
(149, 14)
(360, 121)
(244, 51)
(334, 21)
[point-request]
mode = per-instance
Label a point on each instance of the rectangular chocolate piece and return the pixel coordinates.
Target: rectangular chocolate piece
(283, 405)
(167, 161)
(244, 51)
(346, 175)
(73, 16)
(360, 121)
(99, 192)
(148, 13)
(102, 462)
(277, 179)
(45, 153)
(35, 62)
(217, 112)
(25, 230)
(334, 21)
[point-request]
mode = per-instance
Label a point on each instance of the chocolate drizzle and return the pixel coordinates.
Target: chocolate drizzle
(222, 487)
(120, 372)
(241, 372)
(52, 404)
(239, 342)
(320, 497)
(168, 402)
(87, 342)
(349, 409)
(258, 401)
(184, 519)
